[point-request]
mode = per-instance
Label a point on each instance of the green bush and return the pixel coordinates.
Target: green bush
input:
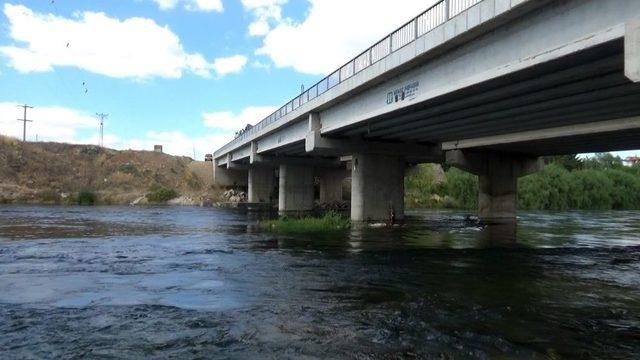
(626, 188)
(86, 197)
(331, 221)
(590, 189)
(159, 194)
(193, 182)
(48, 196)
(129, 169)
(463, 188)
(546, 190)
(420, 186)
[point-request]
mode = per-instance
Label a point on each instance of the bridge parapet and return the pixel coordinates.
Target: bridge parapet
(438, 14)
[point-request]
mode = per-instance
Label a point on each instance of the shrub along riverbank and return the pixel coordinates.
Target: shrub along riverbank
(567, 182)
(330, 221)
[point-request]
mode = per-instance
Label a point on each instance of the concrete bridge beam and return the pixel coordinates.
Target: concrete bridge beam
(231, 165)
(296, 189)
(261, 183)
(317, 144)
(498, 180)
(632, 50)
(331, 185)
(377, 187)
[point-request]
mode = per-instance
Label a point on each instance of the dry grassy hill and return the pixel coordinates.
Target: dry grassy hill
(57, 173)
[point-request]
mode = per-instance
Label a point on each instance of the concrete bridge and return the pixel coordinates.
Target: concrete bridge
(488, 86)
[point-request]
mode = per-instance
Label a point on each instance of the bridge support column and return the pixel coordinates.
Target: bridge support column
(377, 187)
(296, 189)
(331, 185)
(261, 181)
(498, 181)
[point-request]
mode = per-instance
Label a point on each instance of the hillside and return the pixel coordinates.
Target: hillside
(57, 173)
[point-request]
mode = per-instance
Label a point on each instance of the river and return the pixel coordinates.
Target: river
(124, 282)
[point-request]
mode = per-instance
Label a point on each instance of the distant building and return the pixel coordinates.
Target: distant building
(632, 160)
(157, 148)
(208, 157)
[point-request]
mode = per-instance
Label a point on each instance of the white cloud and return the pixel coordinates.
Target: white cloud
(230, 122)
(50, 123)
(334, 32)
(61, 124)
(259, 27)
(261, 65)
(166, 4)
(131, 48)
(265, 12)
(229, 65)
(175, 143)
(192, 5)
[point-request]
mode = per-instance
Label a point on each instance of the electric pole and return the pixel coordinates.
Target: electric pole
(102, 116)
(24, 121)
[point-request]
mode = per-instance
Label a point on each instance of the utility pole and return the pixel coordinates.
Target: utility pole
(102, 116)
(24, 121)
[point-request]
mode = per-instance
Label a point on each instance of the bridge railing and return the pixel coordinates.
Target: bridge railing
(433, 17)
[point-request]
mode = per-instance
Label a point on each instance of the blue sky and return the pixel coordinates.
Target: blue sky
(182, 73)
(138, 105)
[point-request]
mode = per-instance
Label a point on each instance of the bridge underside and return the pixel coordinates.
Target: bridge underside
(586, 87)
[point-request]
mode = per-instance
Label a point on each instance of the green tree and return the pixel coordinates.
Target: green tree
(569, 162)
(603, 161)
(462, 187)
(626, 189)
(545, 190)
(590, 189)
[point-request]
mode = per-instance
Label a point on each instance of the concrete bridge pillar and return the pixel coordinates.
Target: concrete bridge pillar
(296, 189)
(377, 187)
(498, 180)
(261, 181)
(331, 185)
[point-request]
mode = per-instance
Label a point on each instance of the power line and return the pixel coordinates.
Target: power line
(24, 121)
(102, 116)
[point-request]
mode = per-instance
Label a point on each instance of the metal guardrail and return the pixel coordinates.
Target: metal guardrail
(433, 17)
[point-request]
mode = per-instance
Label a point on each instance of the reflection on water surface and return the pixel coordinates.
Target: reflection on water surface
(189, 282)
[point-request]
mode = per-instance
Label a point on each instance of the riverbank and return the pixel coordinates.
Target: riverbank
(65, 174)
(566, 183)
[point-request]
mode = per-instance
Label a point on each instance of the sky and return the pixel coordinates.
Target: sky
(185, 74)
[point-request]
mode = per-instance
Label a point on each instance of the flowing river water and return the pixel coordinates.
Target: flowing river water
(122, 282)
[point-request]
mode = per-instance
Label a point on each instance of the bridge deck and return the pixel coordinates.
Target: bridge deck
(496, 69)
